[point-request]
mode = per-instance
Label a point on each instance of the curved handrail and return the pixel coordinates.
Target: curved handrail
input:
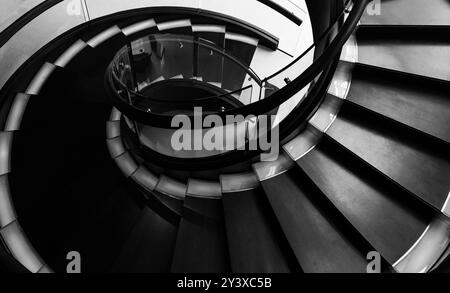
(280, 9)
(263, 106)
(141, 96)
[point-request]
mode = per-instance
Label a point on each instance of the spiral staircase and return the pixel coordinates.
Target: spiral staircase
(364, 123)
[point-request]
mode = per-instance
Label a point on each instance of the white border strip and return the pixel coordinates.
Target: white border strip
(197, 28)
(40, 78)
(232, 183)
(427, 250)
(241, 38)
(7, 210)
(140, 26)
(173, 24)
(171, 187)
(6, 138)
(446, 207)
(20, 247)
(268, 170)
(16, 112)
(70, 53)
(204, 189)
(103, 36)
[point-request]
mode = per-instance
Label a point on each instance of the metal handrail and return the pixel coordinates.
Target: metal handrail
(263, 106)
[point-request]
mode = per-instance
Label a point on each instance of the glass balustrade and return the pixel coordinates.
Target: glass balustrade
(168, 74)
(163, 75)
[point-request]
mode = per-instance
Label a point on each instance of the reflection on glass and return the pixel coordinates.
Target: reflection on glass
(169, 74)
(162, 57)
(210, 63)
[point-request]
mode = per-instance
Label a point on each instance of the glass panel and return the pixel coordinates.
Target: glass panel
(232, 135)
(162, 57)
(177, 56)
(213, 68)
(123, 69)
(172, 105)
(234, 77)
(210, 63)
(160, 73)
(210, 78)
(146, 62)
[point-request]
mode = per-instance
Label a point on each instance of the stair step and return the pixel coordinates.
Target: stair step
(201, 241)
(443, 265)
(314, 232)
(408, 12)
(384, 214)
(254, 236)
(180, 26)
(210, 62)
(177, 57)
(416, 50)
(417, 163)
(414, 101)
(242, 48)
(108, 228)
(149, 246)
(91, 61)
